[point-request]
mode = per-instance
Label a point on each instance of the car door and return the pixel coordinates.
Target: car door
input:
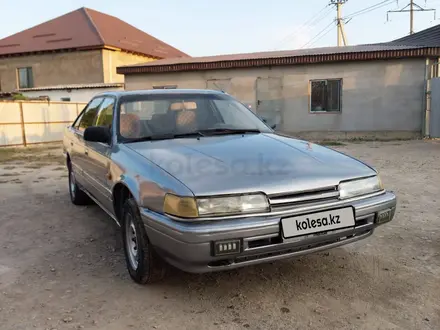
(98, 157)
(78, 149)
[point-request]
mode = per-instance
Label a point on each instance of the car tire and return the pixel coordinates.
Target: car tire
(144, 265)
(77, 196)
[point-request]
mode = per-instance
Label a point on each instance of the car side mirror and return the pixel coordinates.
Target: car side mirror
(97, 134)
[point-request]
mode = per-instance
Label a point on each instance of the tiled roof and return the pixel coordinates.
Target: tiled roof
(72, 86)
(421, 44)
(86, 29)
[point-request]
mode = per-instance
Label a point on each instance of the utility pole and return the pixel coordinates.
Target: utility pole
(411, 7)
(342, 38)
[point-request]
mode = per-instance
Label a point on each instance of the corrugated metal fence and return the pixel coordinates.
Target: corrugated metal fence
(31, 122)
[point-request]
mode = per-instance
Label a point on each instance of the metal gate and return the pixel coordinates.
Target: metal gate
(434, 120)
(270, 100)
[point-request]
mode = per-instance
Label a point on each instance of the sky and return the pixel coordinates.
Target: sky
(207, 27)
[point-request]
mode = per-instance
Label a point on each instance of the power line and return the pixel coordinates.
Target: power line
(312, 21)
(314, 42)
(323, 13)
(413, 7)
(315, 17)
(318, 35)
(368, 11)
(370, 8)
(363, 11)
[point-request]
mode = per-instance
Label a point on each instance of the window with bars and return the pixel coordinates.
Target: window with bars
(326, 95)
(25, 78)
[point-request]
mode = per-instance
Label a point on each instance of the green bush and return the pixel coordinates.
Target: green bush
(19, 97)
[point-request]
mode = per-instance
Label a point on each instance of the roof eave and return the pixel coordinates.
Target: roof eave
(50, 51)
(71, 87)
(131, 52)
(78, 49)
(280, 61)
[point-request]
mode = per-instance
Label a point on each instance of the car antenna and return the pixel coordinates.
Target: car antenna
(221, 89)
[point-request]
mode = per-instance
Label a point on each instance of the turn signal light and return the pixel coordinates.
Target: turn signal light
(185, 207)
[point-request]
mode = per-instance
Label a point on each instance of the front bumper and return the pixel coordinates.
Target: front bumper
(188, 245)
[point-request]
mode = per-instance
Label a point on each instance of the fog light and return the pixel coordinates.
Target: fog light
(383, 216)
(227, 247)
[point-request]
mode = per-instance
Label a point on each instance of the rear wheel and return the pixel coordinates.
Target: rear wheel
(143, 263)
(77, 196)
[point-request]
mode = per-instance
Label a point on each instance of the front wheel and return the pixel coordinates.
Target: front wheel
(143, 263)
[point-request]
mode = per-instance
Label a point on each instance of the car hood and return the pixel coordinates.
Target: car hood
(269, 163)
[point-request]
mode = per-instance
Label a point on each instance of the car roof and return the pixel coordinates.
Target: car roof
(160, 91)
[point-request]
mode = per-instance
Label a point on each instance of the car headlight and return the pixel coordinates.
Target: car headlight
(360, 187)
(233, 204)
(188, 207)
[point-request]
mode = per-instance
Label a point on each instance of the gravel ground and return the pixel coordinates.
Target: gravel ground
(62, 266)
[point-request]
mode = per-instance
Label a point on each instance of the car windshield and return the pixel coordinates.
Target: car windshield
(149, 116)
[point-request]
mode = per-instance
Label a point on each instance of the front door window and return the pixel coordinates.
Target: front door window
(87, 117)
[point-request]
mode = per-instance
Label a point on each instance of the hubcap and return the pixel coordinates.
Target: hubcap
(72, 184)
(131, 241)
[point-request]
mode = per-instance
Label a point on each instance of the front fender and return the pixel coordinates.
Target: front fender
(147, 182)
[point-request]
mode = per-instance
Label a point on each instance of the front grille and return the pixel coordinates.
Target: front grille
(291, 200)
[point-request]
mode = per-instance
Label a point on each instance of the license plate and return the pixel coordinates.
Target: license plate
(317, 222)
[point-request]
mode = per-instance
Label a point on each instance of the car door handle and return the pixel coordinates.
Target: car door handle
(86, 152)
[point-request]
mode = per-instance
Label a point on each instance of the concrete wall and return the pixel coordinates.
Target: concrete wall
(53, 69)
(76, 95)
(378, 97)
(23, 122)
(112, 59)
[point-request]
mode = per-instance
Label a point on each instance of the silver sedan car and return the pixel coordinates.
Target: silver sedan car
(196, 179)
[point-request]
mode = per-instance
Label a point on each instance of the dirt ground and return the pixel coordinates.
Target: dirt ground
(62, 266)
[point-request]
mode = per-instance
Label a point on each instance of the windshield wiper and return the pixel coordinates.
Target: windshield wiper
(165, 136)
(224, 131)
(188, 134)
(203, 132)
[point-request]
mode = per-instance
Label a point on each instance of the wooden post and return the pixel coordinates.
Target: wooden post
(23, 132)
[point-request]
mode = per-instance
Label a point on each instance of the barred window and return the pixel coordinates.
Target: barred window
(326, 95)
(25, 78)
